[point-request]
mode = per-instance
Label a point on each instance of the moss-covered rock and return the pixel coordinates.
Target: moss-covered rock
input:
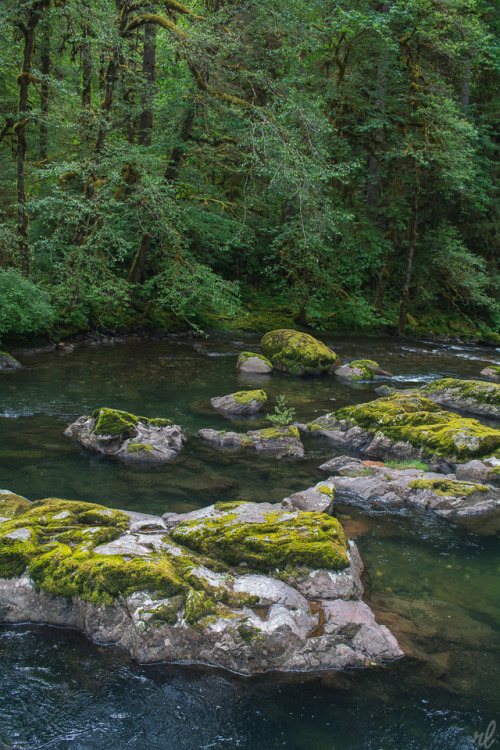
(297, 353)
(172, 595)
(127, 437)
(410, 419)
(361, 369)
(448, 487)
(491, 373)
(270, 441)
(473, 396)
(8, 362)
(254, 363)
(268, 540)
(240, 403)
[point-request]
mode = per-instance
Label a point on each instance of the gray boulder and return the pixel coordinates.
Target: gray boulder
(491, 373)
(377, 487)
(8, 362)
(360, 369)
(273, 441)
(471, 396)
(240, 403)
(253, 363)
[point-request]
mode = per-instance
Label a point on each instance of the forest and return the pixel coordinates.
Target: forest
(325, 165)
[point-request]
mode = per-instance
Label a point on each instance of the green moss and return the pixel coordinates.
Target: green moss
(411, 417)
(296, 352)
(140, 447)
(312, 540)
(483, 393)
(326, 490)
(365, 472)
(494, 472)
(366, 366)
(448, 487)
(407, 465)
(12, 505)
(243, 397)
(228, 506)
(114, 422)
(167, 613)
(249, 355)
(120, 423)
(248, 633)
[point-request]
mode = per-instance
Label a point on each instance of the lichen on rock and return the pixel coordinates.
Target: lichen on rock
(297, 353)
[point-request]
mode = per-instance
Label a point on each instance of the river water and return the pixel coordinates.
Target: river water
(437, 587)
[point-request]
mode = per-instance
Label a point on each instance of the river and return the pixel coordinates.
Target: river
(437, 587)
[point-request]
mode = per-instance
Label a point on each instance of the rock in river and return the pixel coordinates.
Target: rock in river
(361, 369)
(472, 396)
(246, 587)
(254, 363)
(373, 487)
(240, 403)
(407, 426)
(126, 437)
(273, 441)
(297, 353)
(8, 362)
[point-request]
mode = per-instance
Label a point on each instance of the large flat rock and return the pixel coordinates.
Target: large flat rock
(242, 586)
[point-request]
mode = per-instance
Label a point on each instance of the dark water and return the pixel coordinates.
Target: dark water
(435, 586)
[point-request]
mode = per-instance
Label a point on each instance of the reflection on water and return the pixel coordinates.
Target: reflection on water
(434, 585)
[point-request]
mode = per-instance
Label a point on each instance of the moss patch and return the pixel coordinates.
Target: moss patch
(311, 540)
(120, 423)
(250, 355)
(243, 397)
(12, 505)
(448, 487)
(477, 390)
(367, 367)
(140, 447)
(417, 420)
(296, 352)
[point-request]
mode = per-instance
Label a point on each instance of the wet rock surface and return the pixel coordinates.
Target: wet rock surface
(470, 503)
(164, 590)
(281, 443)
(253, 363)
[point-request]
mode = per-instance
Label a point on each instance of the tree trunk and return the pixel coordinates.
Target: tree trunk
(174, 164)
(44, 90)
(86, 67)
(24, 79)
(148, 71)
(405, 296)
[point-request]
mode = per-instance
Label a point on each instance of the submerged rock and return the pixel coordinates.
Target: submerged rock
(126, 437)
(361, 369)
(406, 426)
(472, 396)
(272, 441)
(297, 353)
(8, 362)
(240, 403)
(254, 363)
(242, 586)
(374, 487)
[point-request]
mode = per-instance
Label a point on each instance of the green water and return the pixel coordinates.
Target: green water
(435, 586)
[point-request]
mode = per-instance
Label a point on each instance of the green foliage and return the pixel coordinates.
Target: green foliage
(25, 308)
(283, 414)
